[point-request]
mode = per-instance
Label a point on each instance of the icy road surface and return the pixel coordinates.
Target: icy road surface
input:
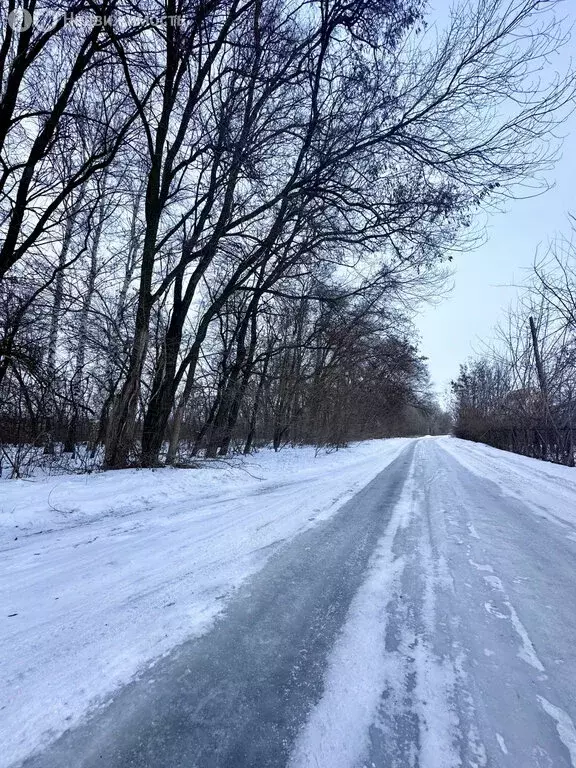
(430, 621)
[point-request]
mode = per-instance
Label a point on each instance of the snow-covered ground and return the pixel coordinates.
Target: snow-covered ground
(103, 574)
(431, 624)
(545, 488)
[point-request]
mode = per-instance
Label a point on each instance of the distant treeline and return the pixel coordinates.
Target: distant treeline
(217, 217)
(521, 395)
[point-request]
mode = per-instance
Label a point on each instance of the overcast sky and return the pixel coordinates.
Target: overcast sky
(485, 278)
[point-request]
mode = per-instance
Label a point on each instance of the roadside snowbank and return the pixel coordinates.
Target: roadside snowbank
(103, 574)
(64, 501)
(520, 477)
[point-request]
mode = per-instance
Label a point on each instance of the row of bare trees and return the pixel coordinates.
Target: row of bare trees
(521, 395)
(217, 215)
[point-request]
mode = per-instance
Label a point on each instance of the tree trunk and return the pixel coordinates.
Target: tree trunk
(163, 393)
(54, 328)
(78, 377)
(181, 409)
(256, 407)
(239, 391)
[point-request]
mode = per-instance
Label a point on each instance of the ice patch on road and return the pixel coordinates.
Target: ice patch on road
(526, 652)
(336, 734)
(436, 678)
(564, 726)
(368, 685)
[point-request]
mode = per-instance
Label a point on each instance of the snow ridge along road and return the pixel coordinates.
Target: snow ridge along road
(429, 622)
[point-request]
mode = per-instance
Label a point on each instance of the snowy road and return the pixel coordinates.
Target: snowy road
(430, 622)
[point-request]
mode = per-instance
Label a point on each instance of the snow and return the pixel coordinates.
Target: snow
(564, 726)
(528, 480)
(502, 743)
(336, 735)
(457, 647)
(526, 651)
(411, 681)
(363, 676)
(103, 574)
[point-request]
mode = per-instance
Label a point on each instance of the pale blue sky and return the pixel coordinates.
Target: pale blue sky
(485, 278)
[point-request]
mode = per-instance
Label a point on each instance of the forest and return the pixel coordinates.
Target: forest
(218, 218)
